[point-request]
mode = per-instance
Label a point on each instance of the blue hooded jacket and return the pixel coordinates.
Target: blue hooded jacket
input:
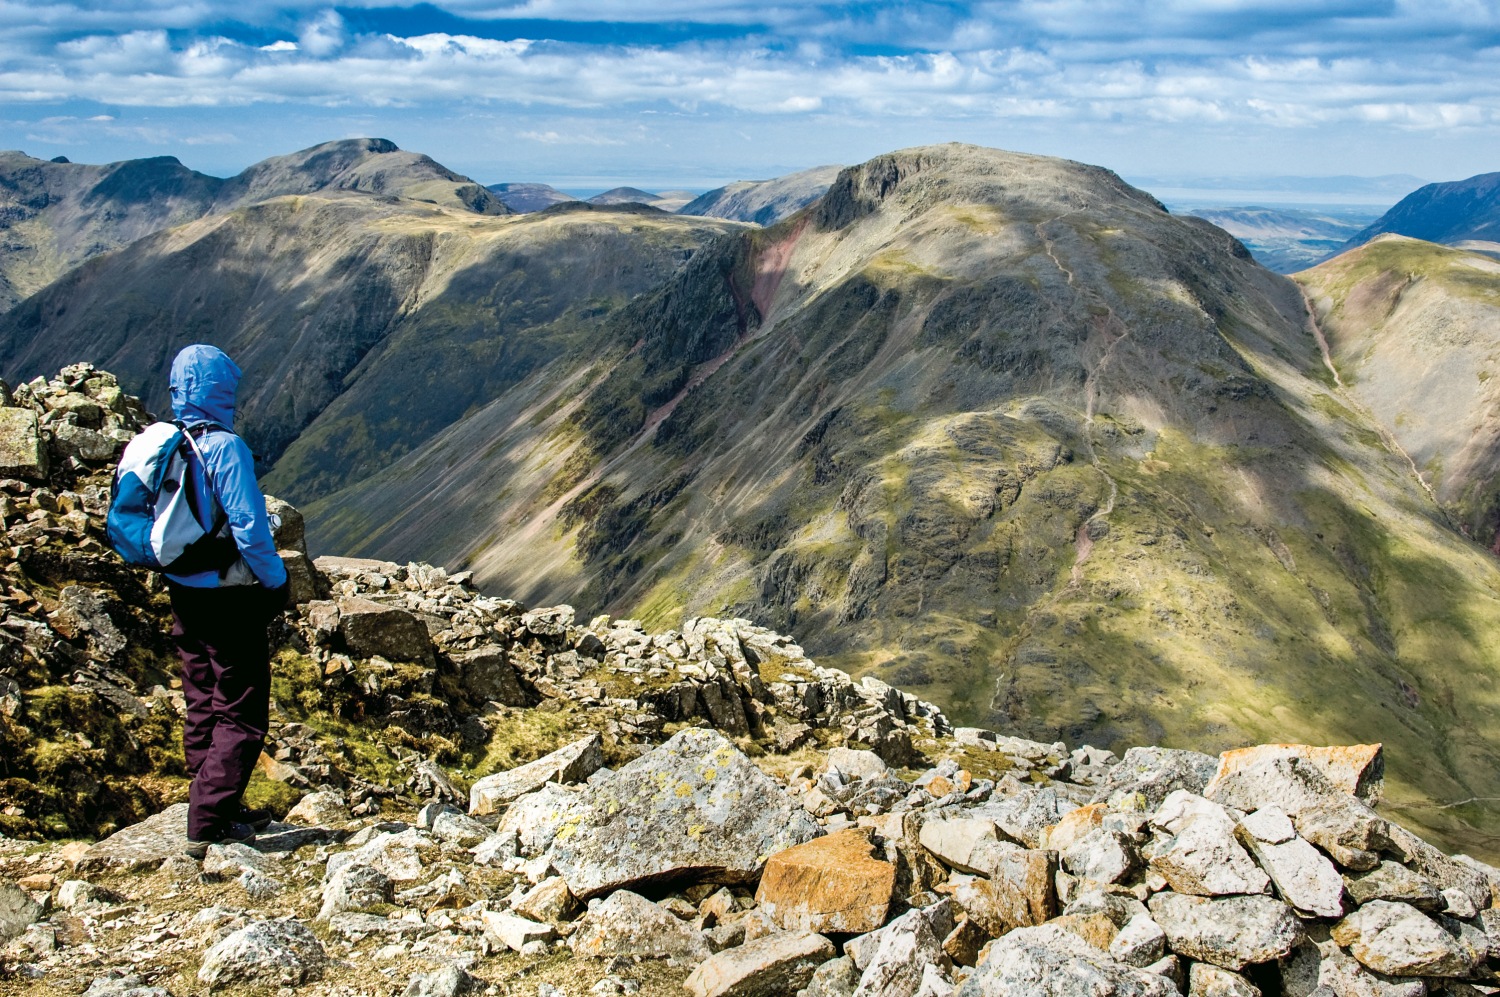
(204, 383)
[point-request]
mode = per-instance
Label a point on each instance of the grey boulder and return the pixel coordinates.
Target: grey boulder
(1050, 961)
(1230, 932)
(284, 952)
(694, 805)
(1147, 776)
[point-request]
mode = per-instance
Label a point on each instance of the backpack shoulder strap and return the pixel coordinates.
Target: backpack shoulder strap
(191, 436)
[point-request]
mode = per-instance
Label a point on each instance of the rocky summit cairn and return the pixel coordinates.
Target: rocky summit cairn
(481, 797)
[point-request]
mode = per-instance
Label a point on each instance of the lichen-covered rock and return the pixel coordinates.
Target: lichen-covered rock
(1395, 882)
(1145, 777)
(1346, 829)
(1139, 943)
(1211, 981)
(895, 964)
(828, 884)
(1318, 962)
(1230, 932)
(265, 952)
(355, 887)
(18, 910)
(1398, 939)
(1019, 890)
(773, 966)
(1290, 782)
(324, 808)
(1101, 856)
(626, 923)
(1303, 876)
(1050, 961)
(487, 673)
(571, 763)
(695, 804)
(1203, 857)
(371, 628)
(22, 452)
(142, 845)
(1027, 816)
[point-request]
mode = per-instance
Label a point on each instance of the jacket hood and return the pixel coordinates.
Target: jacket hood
(204, 383)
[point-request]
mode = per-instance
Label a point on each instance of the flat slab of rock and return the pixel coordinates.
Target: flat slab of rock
(954, 840)
(142, 845)
(284, 952)
(834, 883)
(1356, 769)
(1230, 932)
(1287, 781)
(1050, 961)
(1303, 875)
(571, 763)
(773, 966)
(1398, 939)
(696, 805)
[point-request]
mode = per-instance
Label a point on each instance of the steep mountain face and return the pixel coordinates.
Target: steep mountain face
(1283, 239)
(56, 215)
(417, 312)
(1459, 211)
(527, 197)
(764, 202)
(1414, 330)
(1002, 430)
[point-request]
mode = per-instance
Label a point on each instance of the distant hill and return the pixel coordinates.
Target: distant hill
(625, 195)
(1458, 211)
(527, 197)
(764, 202)
(1285, 239)
(55, 215)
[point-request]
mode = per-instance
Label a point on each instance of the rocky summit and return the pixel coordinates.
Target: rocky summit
(475, 796)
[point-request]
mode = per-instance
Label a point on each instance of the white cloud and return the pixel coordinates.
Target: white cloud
(1295, 63)
(569, 138)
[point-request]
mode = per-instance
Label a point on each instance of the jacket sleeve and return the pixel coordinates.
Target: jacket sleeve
(232, 468)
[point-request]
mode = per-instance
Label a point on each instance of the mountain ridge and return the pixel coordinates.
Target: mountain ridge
(58, 215)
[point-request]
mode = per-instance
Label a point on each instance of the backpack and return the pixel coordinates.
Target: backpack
(151, 523)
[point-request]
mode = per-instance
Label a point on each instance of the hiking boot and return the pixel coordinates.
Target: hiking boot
(243, 833)
(257, 818)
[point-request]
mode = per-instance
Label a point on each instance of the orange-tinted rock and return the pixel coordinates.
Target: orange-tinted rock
(834, 883)
(1096, 929)
(1075, 826)
(1357, 769)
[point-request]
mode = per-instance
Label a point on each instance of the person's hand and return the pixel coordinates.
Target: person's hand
(279, 598)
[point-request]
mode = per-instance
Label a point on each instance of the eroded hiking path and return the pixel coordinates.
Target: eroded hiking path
(1109, 327)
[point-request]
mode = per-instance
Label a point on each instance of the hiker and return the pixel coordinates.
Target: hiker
(220, 616)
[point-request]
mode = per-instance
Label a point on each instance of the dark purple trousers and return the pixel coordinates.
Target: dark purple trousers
(226, 680)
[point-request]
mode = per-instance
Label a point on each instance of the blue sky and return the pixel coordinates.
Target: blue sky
(677, 92)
